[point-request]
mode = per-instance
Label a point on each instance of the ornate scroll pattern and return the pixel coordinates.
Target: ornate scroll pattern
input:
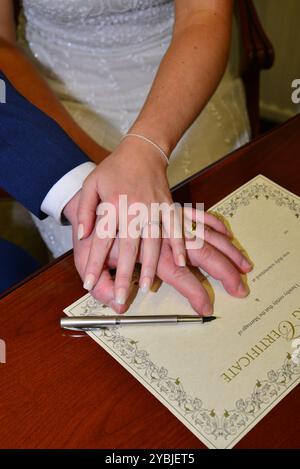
(256, 191)
(205, 420)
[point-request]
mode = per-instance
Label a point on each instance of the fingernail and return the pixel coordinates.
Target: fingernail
(243, 290)
(246, 265)
(207, 309)
(113, 305)
(89, 282)
(146, 284)
(229, 234)
(80, 231)
(121, 296)
(181, 260)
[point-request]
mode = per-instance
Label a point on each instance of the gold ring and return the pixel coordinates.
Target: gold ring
(194, 227)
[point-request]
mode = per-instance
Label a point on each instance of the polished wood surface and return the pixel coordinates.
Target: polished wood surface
(58, 391)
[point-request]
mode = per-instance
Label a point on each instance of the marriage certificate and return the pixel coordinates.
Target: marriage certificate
(221, 378)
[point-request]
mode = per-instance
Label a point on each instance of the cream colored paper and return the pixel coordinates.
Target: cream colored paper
(221, 378)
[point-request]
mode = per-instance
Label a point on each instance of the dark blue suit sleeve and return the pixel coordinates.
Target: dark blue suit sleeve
(35, 152)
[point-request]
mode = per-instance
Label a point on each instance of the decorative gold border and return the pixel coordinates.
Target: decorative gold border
(254, 191)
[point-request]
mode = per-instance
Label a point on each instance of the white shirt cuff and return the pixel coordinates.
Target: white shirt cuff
(64, 189)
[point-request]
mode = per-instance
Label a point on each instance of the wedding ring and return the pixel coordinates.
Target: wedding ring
(194, 227)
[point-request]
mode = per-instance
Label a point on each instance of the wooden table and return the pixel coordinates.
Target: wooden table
(63, 392)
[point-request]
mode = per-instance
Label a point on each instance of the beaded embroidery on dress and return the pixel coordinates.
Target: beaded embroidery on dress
(100, 58)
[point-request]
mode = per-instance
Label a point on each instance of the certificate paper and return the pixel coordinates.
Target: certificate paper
(221, 378)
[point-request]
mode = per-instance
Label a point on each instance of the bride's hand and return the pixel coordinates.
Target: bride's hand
(218, 256)
(137, 170)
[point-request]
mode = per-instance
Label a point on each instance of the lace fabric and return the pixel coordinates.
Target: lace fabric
(100, 57)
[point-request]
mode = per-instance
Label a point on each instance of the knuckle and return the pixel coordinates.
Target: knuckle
(148, 269)
(101, 239)
(80, 209)
(206, 252)
(122, 280)
(231, 275)
(199, 300)
(130, 247)
(99, 295)
(79, 266)
(179, 273)
(114, 199)
(235, 285)
(207, 231)
(103, 244)
(93, 267)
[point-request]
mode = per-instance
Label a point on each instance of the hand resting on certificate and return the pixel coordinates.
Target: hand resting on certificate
(218, 257)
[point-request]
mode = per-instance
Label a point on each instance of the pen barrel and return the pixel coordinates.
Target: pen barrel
(190, 319)
(147, 320)
(96, 322)
(83, 323)
(90, 322)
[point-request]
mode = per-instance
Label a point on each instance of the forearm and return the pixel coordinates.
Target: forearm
(187, 77)
(27, 80)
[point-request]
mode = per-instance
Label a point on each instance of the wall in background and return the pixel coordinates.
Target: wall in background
(281, 21)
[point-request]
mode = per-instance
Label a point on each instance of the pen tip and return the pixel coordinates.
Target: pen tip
(209, 318)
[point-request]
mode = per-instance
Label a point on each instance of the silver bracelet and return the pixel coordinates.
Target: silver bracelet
(149, 141)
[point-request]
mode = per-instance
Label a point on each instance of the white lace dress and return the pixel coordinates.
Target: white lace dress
(100, 58)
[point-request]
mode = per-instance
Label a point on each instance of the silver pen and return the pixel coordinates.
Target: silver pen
(86, 323)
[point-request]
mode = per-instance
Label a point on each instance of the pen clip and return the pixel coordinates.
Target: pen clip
(84, 329)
